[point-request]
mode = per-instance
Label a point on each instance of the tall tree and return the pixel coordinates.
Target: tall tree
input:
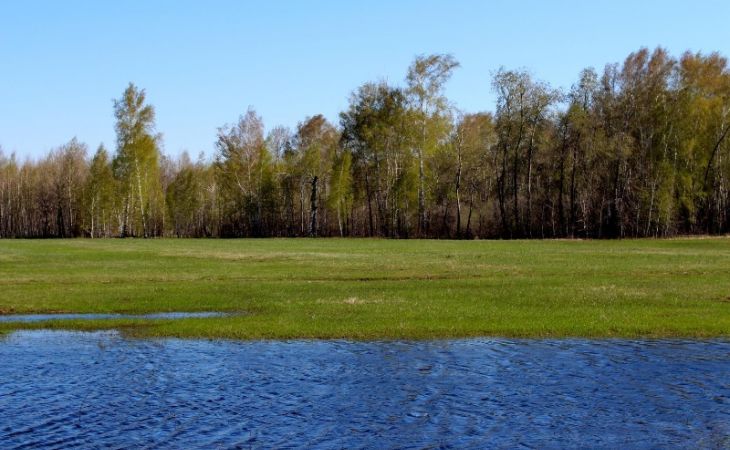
(316, 142)
(136, 164)
(703, 154)
(246, 176)
(99, 194)
(377, 130)
(68, 169)
(426, 78)
(522, 108)
(474, 142)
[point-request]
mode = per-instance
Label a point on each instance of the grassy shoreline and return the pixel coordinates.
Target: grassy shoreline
(366, 289)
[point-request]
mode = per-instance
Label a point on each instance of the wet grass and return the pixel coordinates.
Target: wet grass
(376, 289)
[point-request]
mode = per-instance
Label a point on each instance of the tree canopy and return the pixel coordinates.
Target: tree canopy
(641, 148)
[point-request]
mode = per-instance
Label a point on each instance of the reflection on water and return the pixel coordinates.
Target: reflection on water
(66, 389)
(101, 316)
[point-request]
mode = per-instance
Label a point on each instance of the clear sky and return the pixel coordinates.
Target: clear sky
(204, 62)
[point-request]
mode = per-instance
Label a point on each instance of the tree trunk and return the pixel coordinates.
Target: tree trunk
(530, 149)
(141, 201)
(301, 208)
(92, 216)
(572, 190)
(714, 152)
(561, 186)
(313, 199)
(370, 203)
(458, 197)
(501, 194)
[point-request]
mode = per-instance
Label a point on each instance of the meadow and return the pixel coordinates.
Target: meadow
(375, 289)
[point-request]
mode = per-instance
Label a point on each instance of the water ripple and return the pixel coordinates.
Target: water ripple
(99, 390)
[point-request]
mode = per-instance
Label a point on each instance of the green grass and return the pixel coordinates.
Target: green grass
(373, 289)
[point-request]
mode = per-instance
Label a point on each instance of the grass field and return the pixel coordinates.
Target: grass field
(377, 289)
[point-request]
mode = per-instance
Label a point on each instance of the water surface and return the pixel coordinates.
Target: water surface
(101, 390)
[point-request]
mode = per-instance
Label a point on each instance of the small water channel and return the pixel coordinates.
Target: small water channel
(102, 390)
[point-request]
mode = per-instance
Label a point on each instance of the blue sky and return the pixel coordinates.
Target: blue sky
(204, 62)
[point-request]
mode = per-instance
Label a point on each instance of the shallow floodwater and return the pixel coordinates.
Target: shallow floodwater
(94, 390)
(102, 316)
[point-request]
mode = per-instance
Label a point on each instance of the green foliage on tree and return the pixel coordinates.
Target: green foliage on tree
(641, 148)
(100, 195)
(136, 164)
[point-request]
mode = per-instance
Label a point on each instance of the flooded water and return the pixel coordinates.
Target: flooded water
(100, 390)
(101, 316)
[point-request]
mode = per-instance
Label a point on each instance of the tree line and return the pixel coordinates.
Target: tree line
(640, 149)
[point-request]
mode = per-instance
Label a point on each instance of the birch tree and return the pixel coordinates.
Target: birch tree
(136, 163)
